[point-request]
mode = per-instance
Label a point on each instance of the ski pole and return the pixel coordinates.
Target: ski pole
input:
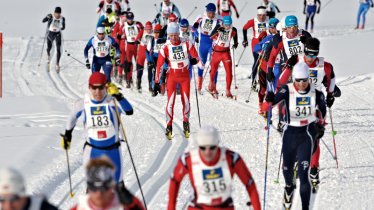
(68, 163)
(240, 12)
(267, 152)
(69, 55)
(41, 53)
(333, 132)
(197, 98)
(193, 10)
(324, 6)
(279, 165)
(233, 57)
(156, 8)
(128, 148)
(328, 149)
(241, 55)
(250, 91)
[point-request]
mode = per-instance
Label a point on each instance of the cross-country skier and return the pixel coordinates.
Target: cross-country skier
(204, 27)
(102, 190)
(310, 9)
(107, 20)
(224, 8)
(185, 30)
(124, 3)
(179, 55)
(101, 126)
(56, 24)
(321, 74)
(262, 48)
(168, 5)
(13, 193)
(211, 169)
(362, 10)
(221, 52)
(271, 8)
(133, 33)
(105, 4)
(153, 48)
(302, 103)
(288, 43)
(117, 34)
(101, 44)
(258, 24)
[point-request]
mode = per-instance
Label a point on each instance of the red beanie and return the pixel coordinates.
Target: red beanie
(97, 78)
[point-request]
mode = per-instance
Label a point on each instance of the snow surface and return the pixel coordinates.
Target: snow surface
(36, 103)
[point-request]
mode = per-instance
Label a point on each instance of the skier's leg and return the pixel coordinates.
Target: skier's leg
(50, 39)
(263, 87)
(306, 21)
(365, 10)
(214, 63)
(227, 64)
(203, 52)
(312, 21)
(359, 13)
(276, 71)
(58, 48)
(289, 156)
(171, 92)
(254, 67)
(316, 153)
(108, 69)
(96, 65)
(116, 157)
(185, 96)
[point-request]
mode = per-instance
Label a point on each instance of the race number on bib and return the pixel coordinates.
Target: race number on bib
(213, 181)
(208, 25)
(178, 54)
(261, 27)
(303, 107)
(313, 75)
(102, 49)
(294, 47)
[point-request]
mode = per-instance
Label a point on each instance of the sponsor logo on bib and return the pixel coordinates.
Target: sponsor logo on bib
(313, 73)
(293, 43)
(303, 101)
(210, 174)
(99, 110)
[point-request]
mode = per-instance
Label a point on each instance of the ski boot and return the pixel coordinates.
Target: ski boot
(287, 197)
(314, 178)
(139, 85)
(254, 86)
(128, 84)
(186, 129)
(120, 79)
(169, 132)
(362, 27)
(229, 95)
(280, 127)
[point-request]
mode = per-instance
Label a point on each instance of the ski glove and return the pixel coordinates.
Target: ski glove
(118, 61)
(193, 61)
(66, 139)
(221, 29)
(197, 39)
(49, 16)
(270, 76)
(156, 89)
(88, 65)
(270, 97)
(112, 89)
(330, 100)
(237, 15)
(320, 131)
(245, 43)
(303, 39)
(235, 45)
(292, 61)
(124, 195)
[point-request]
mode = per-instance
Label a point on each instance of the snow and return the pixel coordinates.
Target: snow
(36, 104)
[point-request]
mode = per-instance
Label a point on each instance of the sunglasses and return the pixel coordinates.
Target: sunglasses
(101, 87)
(295, 26)
(311, 56)
(103, 187)
(100, 33)
(211, 148)
(9, 198)
(301, 80)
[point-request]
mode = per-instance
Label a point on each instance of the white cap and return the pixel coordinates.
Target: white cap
(207, 136)
(261, 11)
(173, 28)
(100, 30)
(300, 71)
(11, 182)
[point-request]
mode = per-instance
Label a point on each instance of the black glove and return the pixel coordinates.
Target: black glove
(137, 42)
(197, 39)
(221, 29)
(270, 96)
(237, 15)
(49, 16)
(150, 65)
(66, 139)
(292, 61)
(118, 61)
(304, 12)
(118, 97)
(303, 39)
(88, 65)
(372, 5)
(156, 89)
(196, 25)
(245, 43)
(235, 45)
(320, 131)
(318, 11)
(270, 76)
(124, 194)
(337, 92)
(193, 61)
(330, 100)
(118, 36)
(128, 9)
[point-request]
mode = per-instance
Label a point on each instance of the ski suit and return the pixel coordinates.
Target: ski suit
(212, 182)
(101, 128)
(55, 26)
(271, 9)
(104, 5)
(101, 51)
(178, 57)
(310, 9)
(142, 54)
(362, 10)
(224, 8)
(153, 48)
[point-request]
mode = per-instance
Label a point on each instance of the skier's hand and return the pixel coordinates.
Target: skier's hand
(237, 15)
(118, 61)
(197, 39)
(245, 43)
(118, 36)
(303, 39)
(193, 61)
(235, 45)
(270, 76)
(88, 65)
(196, 25)
(330, 100)
(66, 139)
(320, 130)
(292, 61)
(221, 29)
(49, 16)
(270, 97)
(150, 65)
(137, 42)
(124, 195)
(112, 89)
(156, 89)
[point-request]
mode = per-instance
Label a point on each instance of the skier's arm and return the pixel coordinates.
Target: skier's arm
(248, 25)
(160, 62)
(258, 47)
(320, 101)
(47, 18)
(330, 78)
(63, 23)
(192, 51)
(176, 12)
(118, 8)
(125, 106)
(246, 178)
(277, 46)
(101, 4)
(281, 95)
(141, 31)
(231, 2)
(75, 114)
(88, 46)
(304, 7)
(235, 32)
(219, 7)
(319, 5)
(180, 170)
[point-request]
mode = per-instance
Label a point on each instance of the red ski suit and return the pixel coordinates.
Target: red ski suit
(236, 166)
(117, 33)
(251, 24)
(178, 73)
(226, 11)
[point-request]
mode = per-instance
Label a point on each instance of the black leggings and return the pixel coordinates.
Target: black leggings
(50, 38)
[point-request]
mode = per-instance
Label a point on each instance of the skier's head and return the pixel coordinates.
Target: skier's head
(148, 27)
(109, 1)
(311, 50)
(273, 22)
(123, 18)
(211, 10)
(291, 25)
(208, 139)
(100, 181)
(97, 86)
(266, 1)
(57, 12)
(300, 76)
(100, 31)
(130, 17)
(227, 22)
(184, 25)
(12, 190)
(157, 30)
(108, 11)
(173, 33)
(173, 18)
(167, 2)
(261, 13)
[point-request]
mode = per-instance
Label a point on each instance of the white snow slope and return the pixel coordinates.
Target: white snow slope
(36, 103)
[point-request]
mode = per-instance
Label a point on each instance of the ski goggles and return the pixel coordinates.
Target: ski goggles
(95, 87)
(11, 198)
(310, 56)
(211, 148)
(311, 53)
(99, 186)
(301, 80)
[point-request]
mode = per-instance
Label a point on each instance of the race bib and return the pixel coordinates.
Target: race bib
(294, 47)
